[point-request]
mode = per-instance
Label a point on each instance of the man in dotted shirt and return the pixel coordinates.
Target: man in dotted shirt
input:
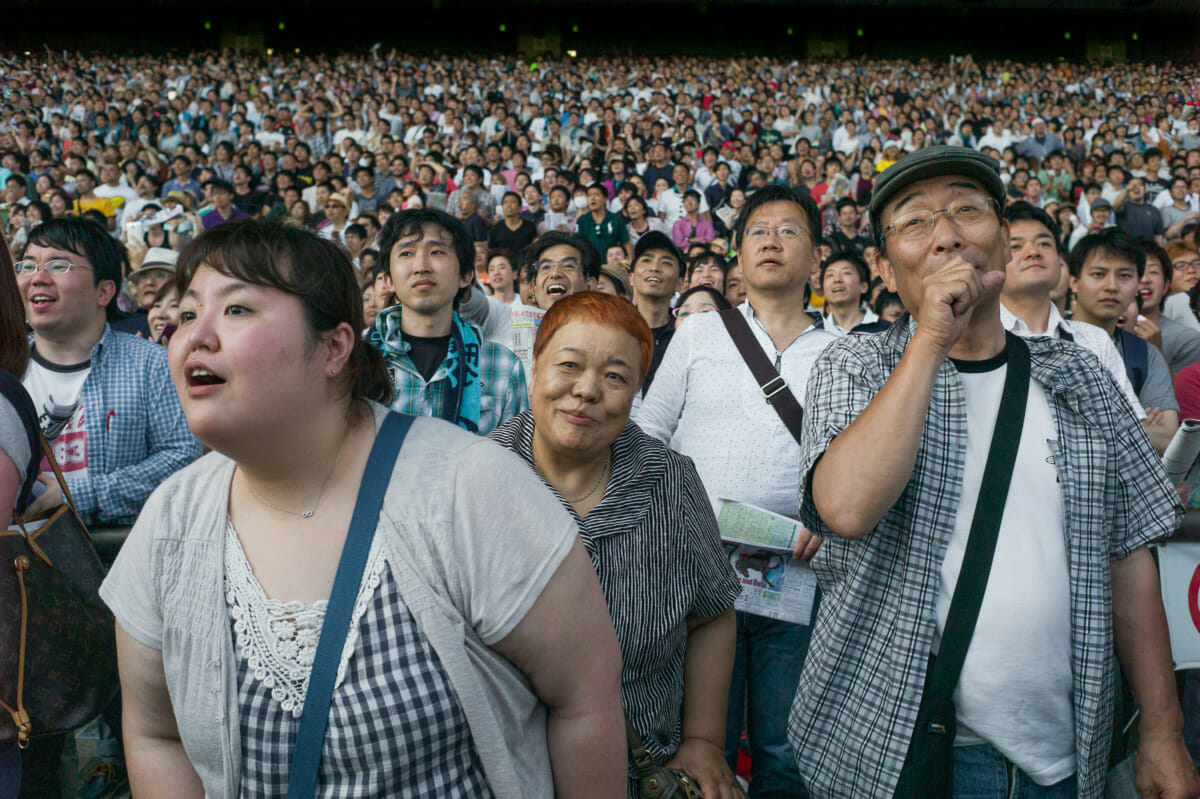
(707, 403)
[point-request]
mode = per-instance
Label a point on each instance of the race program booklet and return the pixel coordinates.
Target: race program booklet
(759, 544)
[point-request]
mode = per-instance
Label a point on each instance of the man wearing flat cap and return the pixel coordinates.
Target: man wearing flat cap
(943, 449)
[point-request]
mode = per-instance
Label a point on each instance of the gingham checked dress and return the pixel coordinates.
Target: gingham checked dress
(396, 727)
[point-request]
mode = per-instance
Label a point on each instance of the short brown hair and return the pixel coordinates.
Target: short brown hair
(300, 263)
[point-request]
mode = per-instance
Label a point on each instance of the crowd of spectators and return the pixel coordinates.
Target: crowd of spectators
(644, 165)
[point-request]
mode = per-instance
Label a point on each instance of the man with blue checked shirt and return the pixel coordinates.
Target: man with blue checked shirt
(107, 406)
(104, 399)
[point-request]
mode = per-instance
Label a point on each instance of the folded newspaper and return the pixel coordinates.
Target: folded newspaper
(759, 545)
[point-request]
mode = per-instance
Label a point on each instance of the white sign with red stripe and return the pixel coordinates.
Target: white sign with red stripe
(1179, 574)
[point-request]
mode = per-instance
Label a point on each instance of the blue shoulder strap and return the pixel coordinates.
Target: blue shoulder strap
(310, 739)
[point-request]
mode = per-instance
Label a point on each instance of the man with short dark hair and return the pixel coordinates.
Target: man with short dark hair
(512, 232)
(655, 278)
(356, 241)
(1034, 270)
(849, 237)
(845, 279)
(181, 180)
(708, 403)
(468, 213)
(440, 364)
(83, 375)
(86, 199)
(105, 399)
(556, 265)
(560, 215)
(1178, 214)
(472, 186)
(1135, 216)
(1071, 575)
(1106, 270)
(223, 210)
(601, 227)
(366, 196)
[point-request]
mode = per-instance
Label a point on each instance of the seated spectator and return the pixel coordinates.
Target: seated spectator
(511, 232)
(707, 269)
(844, 281)
(692, 229)
(502, 276)
(601, 227)
(640, 222)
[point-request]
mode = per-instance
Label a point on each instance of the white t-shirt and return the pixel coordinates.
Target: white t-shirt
(55, 391)
(513, 325)
(1016, 683)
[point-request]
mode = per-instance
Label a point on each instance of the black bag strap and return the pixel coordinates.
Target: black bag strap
(310, 737)
(985, 524)
(12, 390)
(1136, 355)
(770, 382)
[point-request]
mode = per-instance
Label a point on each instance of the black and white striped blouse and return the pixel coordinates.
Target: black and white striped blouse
(654, 543)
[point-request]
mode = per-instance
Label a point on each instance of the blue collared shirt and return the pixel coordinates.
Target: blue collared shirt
(137, 434)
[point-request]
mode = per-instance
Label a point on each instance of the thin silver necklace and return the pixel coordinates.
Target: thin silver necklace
(599, 480)
(306, 514)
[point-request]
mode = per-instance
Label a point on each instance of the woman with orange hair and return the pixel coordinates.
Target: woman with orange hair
(647, 524)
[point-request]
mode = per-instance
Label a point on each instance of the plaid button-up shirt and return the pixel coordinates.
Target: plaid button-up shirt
(137, 434)
(858, 697)
(502, 390)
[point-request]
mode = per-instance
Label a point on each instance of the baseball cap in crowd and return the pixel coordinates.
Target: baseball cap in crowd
(620, 278)
(657, 240)
(936, 161)
(158, 258)
(183, 198)
(1101, 203)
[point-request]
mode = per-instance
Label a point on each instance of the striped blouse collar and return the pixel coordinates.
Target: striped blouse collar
(638, 466)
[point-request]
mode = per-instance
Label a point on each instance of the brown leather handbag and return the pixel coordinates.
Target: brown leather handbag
(58, 659)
